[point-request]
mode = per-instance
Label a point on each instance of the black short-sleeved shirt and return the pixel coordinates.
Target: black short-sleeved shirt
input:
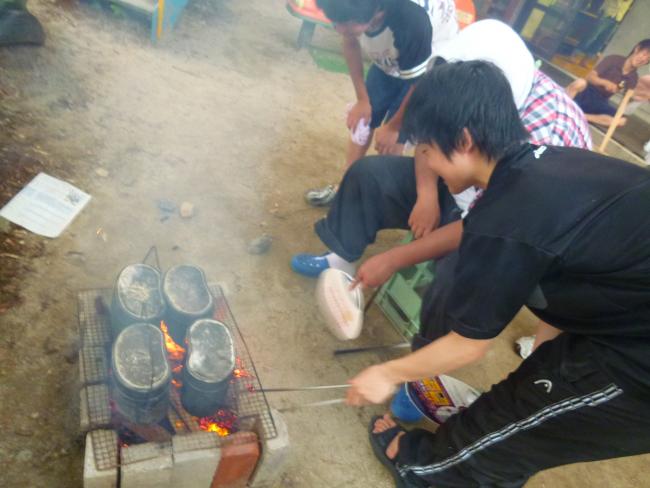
(402, 46)
(567, 232)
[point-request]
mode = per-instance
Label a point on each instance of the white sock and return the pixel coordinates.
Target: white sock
(336, 261)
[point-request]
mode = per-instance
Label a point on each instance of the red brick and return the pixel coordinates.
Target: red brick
(239, 456)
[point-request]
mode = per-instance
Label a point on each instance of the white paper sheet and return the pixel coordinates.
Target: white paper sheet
(46, 206)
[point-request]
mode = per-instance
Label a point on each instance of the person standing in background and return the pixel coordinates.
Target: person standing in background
(398, 37)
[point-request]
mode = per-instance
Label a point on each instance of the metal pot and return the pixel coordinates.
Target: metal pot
(209, 365)
(188, 299)
(141, 375)
(137, 297)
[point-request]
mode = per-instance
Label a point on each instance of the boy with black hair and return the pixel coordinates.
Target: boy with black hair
(575, 249)
(397, 35)
(613, 74)
(549, 115)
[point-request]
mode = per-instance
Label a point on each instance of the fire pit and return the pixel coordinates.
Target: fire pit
(150, 405)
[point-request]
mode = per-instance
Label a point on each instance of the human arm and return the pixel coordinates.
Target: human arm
(354, 60)
(452, 351)
(425, 215)
(545, 332)
(386, 137)
(378, 269)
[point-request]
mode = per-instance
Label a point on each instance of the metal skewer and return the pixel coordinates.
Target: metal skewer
(401, 345)
(324, 403)
(302, 388)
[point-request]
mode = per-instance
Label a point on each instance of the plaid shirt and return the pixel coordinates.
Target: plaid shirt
(552, 117)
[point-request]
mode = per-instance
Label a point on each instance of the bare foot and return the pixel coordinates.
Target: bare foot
(383, 424)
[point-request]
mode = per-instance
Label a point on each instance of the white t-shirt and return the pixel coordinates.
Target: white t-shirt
(402, 46)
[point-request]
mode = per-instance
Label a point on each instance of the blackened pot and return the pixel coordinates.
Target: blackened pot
(208, 367)
(141, 375)
(188, 299)
(137, 297)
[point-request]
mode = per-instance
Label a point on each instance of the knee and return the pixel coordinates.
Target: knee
(576, 87)
(580, 84)
(361, 169)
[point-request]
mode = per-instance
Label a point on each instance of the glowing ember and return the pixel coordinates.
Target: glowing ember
(222, 423)
(214, 427)
(177, 383)
(174, 351)
(240, 371)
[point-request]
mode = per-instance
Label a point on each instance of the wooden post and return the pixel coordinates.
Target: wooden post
(617, 118)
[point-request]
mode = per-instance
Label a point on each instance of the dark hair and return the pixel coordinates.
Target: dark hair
(474, 95)
(357, 11)
(644, 44)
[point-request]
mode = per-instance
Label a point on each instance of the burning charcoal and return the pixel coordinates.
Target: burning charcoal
(209, 366)
(137, 297)
(188, 299)
(141, 374)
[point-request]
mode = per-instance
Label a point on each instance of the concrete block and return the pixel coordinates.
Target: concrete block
(274, 455)
(95, 408)
(94, 477)
(147, 465)
(196, 458)
(239, 455)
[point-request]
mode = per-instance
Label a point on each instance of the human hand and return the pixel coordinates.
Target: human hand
(386, 138)
(360, 110)
(610, 86)
(424, 217)
(376, 270)
(373, 385)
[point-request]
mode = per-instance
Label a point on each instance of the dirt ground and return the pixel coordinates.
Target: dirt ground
(225, 114)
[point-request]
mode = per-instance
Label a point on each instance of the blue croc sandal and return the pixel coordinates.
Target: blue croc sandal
(309, 264)
(379, 443)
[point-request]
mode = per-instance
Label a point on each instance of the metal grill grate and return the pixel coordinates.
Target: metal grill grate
(251, 402)
(248, 403)
(105, 448)
(93, 364)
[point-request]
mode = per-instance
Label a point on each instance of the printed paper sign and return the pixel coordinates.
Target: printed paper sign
(46, 206)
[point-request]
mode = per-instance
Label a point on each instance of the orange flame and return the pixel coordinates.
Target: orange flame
(175, 352)
(209, 426)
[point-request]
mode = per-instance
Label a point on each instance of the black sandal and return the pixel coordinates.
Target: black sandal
(379, 443)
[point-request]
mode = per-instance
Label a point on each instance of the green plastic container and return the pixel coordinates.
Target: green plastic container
(401, 297)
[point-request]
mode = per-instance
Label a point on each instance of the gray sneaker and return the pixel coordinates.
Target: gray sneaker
(320, 197)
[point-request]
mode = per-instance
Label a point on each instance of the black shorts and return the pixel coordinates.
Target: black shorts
(557, 408)
(591, 101)
(386, 94)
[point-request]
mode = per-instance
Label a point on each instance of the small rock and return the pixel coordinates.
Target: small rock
(24, 455)
(101, 172)
(260, 245)
(35, 415)
(187, 210)
(166, 206)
